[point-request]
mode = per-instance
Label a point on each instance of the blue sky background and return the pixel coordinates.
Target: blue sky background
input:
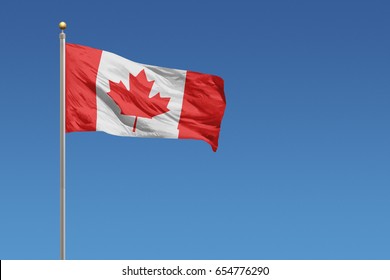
(303, 166)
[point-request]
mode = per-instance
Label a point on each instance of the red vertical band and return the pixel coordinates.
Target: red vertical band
(82, 64)
(203, 108)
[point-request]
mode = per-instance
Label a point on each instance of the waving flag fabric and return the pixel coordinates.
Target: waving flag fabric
(106, 92)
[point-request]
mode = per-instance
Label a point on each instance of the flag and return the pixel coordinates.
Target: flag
(106, 92)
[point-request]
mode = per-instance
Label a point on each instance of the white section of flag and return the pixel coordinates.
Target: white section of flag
(167, 82)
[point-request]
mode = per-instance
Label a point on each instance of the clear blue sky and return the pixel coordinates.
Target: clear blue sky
(303, 166)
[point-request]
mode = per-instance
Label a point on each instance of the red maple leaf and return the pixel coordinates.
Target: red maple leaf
(136, 101)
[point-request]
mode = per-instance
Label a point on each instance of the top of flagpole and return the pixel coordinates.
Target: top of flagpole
(62, 25)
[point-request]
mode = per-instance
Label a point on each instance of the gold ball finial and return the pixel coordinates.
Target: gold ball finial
(62, 25)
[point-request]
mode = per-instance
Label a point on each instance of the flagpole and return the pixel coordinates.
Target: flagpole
(62, 26)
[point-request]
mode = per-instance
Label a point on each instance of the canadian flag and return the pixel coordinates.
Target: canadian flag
(106, 92)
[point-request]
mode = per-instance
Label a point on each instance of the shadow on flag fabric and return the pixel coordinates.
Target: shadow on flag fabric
(106, 92)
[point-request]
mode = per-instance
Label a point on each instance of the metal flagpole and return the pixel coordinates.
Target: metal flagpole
(62, 26)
